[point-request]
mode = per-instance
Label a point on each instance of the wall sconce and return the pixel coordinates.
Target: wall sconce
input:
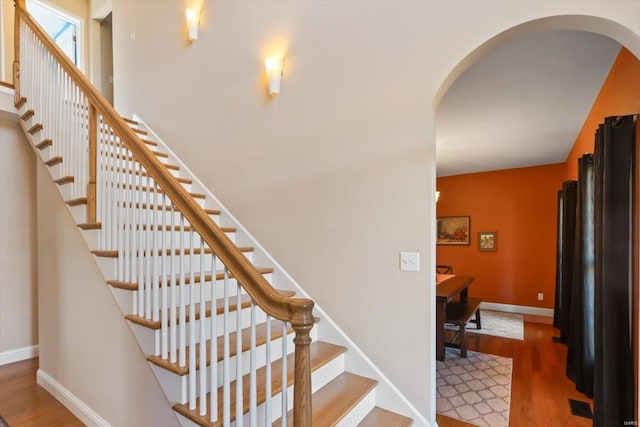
(274, 73)
(437, 196)
(193, 23)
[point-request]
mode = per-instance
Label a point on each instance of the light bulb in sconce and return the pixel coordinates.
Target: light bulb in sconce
(437, 196)
(193, 23)
(274, 73)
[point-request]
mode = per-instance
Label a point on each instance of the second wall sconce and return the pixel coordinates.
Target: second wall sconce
(274, 73)
(193, 23)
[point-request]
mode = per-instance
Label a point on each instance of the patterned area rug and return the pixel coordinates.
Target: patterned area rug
(476, 390)
(500, 324)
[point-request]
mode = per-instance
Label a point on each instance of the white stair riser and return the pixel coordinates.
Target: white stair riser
(357, 414)
(161, 216)
(108, 265)
(179, 385)
(246, 319)
(319, 378)
(126, 302)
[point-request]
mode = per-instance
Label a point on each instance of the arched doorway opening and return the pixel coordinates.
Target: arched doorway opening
(595, 25)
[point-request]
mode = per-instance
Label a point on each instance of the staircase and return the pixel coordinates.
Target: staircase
(208, 306)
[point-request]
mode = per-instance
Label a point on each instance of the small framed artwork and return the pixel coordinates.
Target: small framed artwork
(453, 230)
(487, 241)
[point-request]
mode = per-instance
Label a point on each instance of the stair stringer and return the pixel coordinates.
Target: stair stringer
(387, 395)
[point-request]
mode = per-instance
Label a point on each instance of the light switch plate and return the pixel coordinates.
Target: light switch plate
(409, 261)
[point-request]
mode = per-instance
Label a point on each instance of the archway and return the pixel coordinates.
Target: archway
(601, 26)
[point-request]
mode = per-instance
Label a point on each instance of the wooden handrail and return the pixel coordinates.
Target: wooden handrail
(297, 311)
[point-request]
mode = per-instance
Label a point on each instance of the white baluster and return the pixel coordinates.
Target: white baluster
(284, 374)
(192, 327)
(182, 300)
(267, 409)
(173, 328)
(226, 374)
(253, 398)
(213, 395)
(159, 274)
(239, 403)
(203, 335)
(164, 280)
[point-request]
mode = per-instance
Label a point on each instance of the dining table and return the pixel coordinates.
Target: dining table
(448, 288)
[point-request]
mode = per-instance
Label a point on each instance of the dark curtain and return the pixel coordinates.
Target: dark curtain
(580, 335)
(613, 381)
(558, 299)
(569, 195)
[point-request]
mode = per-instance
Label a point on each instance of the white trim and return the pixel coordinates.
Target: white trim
(18, 354)
(70, 401)
(520, 309)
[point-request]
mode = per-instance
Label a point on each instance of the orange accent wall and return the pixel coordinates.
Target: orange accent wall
(520, 204)
(619, 95)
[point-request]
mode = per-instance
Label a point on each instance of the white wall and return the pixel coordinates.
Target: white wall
(336, 175)
(18, 270)
(85, 342)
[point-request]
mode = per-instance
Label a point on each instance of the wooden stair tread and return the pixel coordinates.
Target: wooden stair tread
(333, 402)
(130, 121)
(207, 251)
(381, 417)
(145, 188)
(321, 353)
(53, 161)
(35, 128)
(261, 338)
(129, 158)
(90, 226)
(133, 286)
(44, 144)
(21, 102)
(98, 226)
(177, 228)
(64, 180)
(115, 155)
(245, 302)
(77, 202)
(149, 142)
(154, 206)
(27, 115)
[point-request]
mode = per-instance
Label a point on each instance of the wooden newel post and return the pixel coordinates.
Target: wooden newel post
(19, 5)
(93, 166)
(302, 385)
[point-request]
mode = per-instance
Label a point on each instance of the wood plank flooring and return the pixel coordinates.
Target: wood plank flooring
(539, 389)
(539, 393)
(23, 403)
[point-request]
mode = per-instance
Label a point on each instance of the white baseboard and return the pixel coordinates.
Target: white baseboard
(18, 354)
(519, 309)
(70, 401)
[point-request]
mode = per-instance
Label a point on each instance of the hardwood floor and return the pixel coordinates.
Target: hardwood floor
(539, 390)
(23, 403)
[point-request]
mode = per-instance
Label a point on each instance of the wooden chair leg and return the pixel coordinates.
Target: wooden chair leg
(463, 341)
(478, 324)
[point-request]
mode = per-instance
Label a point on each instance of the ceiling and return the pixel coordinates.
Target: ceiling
(523, 103)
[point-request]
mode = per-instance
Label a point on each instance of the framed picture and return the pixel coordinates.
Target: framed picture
(453, 230)
(487, 241)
